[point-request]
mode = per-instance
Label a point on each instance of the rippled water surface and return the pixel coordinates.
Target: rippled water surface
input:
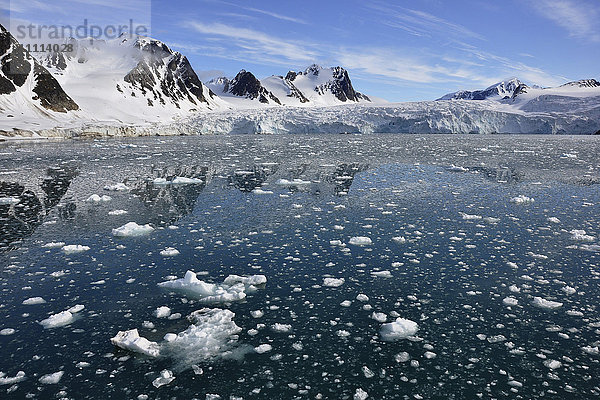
(489, 244)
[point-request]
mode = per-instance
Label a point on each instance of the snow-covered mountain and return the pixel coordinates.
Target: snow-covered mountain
(139, 79)
(26, 87)
(315, 86)
(507, 89)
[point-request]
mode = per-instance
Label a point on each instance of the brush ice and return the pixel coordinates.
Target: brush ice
(400, 329)
(233, 288)
(132, 341)
(360, 241)
(547, 304)
(74, 248)
(52, 379)
(132, 229)
(333, 282)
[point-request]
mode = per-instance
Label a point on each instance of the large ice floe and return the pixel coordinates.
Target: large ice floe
(212, 334)
(62, 318)
(131, 229)
(401, 328)
(233, 288)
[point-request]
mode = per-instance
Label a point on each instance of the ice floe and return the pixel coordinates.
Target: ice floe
(401, 328)
(164, 378)
(33, 300)
(360, 241)
(11, 380)
(169, 252)
(581, 236)
(131, 229)
(521, 199)
(333, 282)
(233, 288)
(98, 199)
(74, 248)
(51, 379)
(117, 187)
(62, 318)
(547, 304)
(132, 341)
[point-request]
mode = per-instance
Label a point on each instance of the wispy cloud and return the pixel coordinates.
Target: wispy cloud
(263, 12)
(580, 18)
(419, 23)
(256, 44)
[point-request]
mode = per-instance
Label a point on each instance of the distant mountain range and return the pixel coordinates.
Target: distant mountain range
(135, 82)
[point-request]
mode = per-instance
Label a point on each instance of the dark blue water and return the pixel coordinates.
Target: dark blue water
(467, 248)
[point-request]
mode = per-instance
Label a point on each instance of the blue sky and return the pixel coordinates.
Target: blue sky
(398, 50)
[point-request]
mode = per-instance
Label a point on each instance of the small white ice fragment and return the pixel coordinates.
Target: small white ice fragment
(382, 274)
(131, 340)
(7, 332)
(164, 378)
(11, 380)
(169, 252)
(547, 304)
(117, 187)
(98, 199)
(74, 248)
(117, 212)
(360, 241)
(132, 229)
(360, 394)
(33, 301)
(510, 301)
(521, 199)
(333, 282)
(52, 379)
(162, 312)
(263, 348)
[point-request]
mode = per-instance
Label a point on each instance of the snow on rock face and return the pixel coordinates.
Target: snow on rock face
(233, 288)
(131, 229)
(547, 304)
(399, 329)
(132, 341)
(502, 90)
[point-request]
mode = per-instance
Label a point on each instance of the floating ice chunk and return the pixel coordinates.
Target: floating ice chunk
(554, 220)
(132, 341)
(277, 327)
(400, 329)
(547, 304)
(510, 301)
(8, 201)
(117, 212)
(399, 239)
(132, 229)
(182, 180)
(98, 199)
(379, 316)
(213, 334)
(552, 364)
(342, 333)
(257, 313)
(515, 384)
(162, 312)
(346, 303)
(402, 357)
(580, 235)
(360, 241)
(333, 282)
(569, 290)
(263, 348)
(360, 394)
(62, 318)
(261, 191)
(594, 351)
(33, 301)
(164, 378)
(521, 199)
(362, 297)
(470, 216)
(169, 252)
(52, 379)
(160, 181)
(169, 337)
(117, 187)
(429, 355)
(74, 248)
(367, 372)
(11, 380)
(233, 288)
(53, 245)
(293, 182)
(382, 274)
(7, 331)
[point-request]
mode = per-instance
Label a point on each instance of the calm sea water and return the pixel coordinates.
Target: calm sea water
(468, 269)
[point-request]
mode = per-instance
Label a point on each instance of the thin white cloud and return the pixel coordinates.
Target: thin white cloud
(419, 23)
(275, 15)
(579, 18)
(255, 42)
